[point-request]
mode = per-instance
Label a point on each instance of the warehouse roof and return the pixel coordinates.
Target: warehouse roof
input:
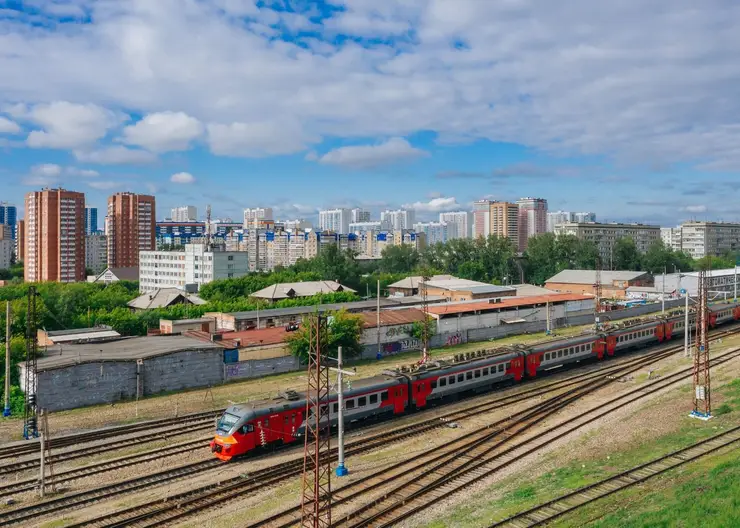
(392, 317)
(413, 282)
(455, 284)
(81, 334)
(123, 349)
(589, 276)
(164, 297)
(503, 304)
(288, 290)
(528, 290)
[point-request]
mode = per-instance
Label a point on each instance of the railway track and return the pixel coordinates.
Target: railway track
(32, 447)
(431, 485)
(570, 502)
(158, 513)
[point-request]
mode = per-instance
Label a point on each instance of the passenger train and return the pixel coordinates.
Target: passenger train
(244, 428)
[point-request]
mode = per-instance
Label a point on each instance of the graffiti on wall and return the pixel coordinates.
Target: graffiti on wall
(398, 331)
(454, 339)
(401, 346)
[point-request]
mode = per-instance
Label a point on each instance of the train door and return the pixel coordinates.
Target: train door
(611, 344)
(736, 313)
(533, 361)
(599, 347)
(422, 389)
(660, 332)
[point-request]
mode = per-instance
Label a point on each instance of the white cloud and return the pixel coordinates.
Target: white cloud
(43, 175)
(83, 173)
(115, 156)
(8, 127)
(183, 178)
(435, 205)
(695, 208)
(163, 132)
(69, 125)
(258, 139)
(368, 156)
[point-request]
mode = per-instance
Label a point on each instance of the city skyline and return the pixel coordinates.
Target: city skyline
(570, 118)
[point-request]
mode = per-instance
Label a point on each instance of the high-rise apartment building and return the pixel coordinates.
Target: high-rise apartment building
(436, 232)
(398, 220)
(606, 235)
(336, 220)
(563, 217)
(532, 219)
(482, 218)
(505, 221)
(185, 213)
(584, 217)
(671, 237)
(130, 228)
(255, 218)
(54, 236)
(91, 220)
(362, 227)
(20, 240)
(360, 215)
(96, 252)
(7, 246)
(9, 217)
(700, 239)
(463, 221)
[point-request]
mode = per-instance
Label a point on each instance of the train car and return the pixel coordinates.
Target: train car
(553, 354)
(638, 335)
(268, 423)
(476, 372)
(723, 313)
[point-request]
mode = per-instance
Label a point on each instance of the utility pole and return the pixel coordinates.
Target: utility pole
(549, 327)
(735, 281)
(30, 419)
(342, 470)
(686, 327)
(316, 489)
(42, 464)
(702, 385)
(425, 322)
(597, 291)
(6, 409)
(377, 315)
(662, 295)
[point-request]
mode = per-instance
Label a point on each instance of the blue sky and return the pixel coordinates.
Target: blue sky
(630, 111)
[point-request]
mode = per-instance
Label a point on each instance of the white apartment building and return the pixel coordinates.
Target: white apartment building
(359, 215)
(555, 218)
(363, 227)
(671, 237)
(336, 220)
(606, 235)
(296, 226)
(96, 253)
(700, 239)
(437, 232)
(584, 217)
(186, 213)
(532, 219)
(194, 265)
(253, 217)
(398, 220)
(463, 221)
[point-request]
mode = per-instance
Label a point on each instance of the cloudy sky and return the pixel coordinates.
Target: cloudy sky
(630, 109)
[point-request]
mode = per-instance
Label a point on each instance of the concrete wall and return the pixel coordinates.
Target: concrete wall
(260, 367)
(182, 370)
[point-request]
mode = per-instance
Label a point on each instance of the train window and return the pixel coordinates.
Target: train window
(350, 404)
(247, 428)
(434, 384)
(460, 377)
(452, 380)
(287, 419)
(560, 353)
(335, 408)
(384, 396)
(485, 371)
(362, 401)
(292, 419)
(469, 375)
(267, 423)
(442, 382)
(508, 366)
(373, 398)
(501, 368)
(477, 373)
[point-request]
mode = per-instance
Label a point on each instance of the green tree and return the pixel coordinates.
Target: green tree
(626, 255)
(342, 329)
(417, 328)
(399, 259)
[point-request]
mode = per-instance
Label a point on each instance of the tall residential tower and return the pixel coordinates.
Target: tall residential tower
(130, 228)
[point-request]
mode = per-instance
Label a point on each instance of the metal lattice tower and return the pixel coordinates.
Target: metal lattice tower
(316, 497)
(424, 308)
(30, 417)
(598, 292)
(702, 385)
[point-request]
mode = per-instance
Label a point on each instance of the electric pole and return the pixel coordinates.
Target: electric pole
(316, 489)
(598, 292)
(702, 385)
(6, 408)
(424, 308)
(30, 418)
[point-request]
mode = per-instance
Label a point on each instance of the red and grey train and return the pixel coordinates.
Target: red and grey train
(244, 428)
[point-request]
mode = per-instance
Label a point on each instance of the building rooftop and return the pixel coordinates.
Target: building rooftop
(82, 334)
(413, 282)
(528, 290)
(504, 303)
(125, 274)
(123, 349)
(263, 336)
(392, 317)
(455, 284)
(589, 276)
(163, 297)
(288, 290)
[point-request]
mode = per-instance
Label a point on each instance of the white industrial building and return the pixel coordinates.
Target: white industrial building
(721, 285)
(194, 266)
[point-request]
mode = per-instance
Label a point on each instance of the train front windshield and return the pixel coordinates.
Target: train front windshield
(226, 422)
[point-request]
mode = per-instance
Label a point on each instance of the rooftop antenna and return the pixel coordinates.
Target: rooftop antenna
(209, 234)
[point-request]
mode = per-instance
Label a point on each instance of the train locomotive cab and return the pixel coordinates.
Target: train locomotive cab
(235, 433)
